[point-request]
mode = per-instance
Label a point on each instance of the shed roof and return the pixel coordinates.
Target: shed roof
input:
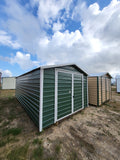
(100, 74)
(57, 66)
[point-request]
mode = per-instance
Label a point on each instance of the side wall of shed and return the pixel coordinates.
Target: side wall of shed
(48, 97)
(92, 90)
(28, 93)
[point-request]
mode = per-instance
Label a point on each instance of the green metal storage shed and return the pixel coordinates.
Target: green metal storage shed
(51, 93)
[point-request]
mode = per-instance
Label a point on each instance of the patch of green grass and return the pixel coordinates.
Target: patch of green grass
(38, 152)
(57, 148)
(3, 142)
(73, 156)
(18, 153)
(12, 131)
(37, 141)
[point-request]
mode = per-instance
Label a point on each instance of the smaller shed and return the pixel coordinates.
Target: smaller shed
(8, 82)
(99, 88)
(118, 83)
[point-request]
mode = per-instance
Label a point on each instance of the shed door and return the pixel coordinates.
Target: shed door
(77, 92)
(64, 95)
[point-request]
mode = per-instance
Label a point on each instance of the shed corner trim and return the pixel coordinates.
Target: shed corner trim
(41, 100)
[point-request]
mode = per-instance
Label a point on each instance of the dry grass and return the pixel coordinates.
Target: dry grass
(92, 134)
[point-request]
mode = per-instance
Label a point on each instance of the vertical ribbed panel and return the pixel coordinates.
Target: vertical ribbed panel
(28, 93)
(48, 97)
(64, 94)
(85, 91)
(77, 92)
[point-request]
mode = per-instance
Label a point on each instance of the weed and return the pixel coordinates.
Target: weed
(37, 141)
(3, 142)
(12, 131)
(38, 153)
(73, 156)
(57, 148)
(18, 153)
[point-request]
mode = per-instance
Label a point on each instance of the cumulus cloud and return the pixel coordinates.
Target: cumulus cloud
(58, 26)
(50, 10)
(23, 25)
(24, 61)
(6, 40)
(95, 47)
(6, 73)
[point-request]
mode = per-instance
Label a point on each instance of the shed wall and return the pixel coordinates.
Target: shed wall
(8, 83)
(48, 97)
(103, 90)
(92, 90)
(100, 96)
(28, 93)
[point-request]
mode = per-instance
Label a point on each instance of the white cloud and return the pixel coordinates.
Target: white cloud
(24, 61)
(58, 26)
(6, 73)
(24, 25)
(6, 40)
(50, 9)
(95, 47)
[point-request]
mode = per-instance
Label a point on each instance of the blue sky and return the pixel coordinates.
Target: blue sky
(47, 32)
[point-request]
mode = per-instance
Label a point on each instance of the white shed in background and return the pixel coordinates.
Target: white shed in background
(8, 82)
(118, 83)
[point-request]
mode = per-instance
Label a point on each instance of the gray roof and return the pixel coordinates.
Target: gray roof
(57, 66)
(100, 74)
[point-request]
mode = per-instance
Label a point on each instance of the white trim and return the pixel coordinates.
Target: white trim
(72, 92)
(63, 65)
(56, 96)
(82, 92)
(69, 114)
(41, 100)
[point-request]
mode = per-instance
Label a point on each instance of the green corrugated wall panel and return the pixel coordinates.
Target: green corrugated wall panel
(28, 92)
(64, 94)
(48, 97)
(77, 92)
(70, 68)
(85, 92)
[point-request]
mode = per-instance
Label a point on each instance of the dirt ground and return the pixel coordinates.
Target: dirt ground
(92, 134)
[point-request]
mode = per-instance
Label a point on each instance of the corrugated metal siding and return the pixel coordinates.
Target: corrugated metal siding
(70, 68)
(85, 92)
(92, 90)
(28, 93)
(48, 97)
(64, 94)
(100, 91)
(103, 90)
(77, 92)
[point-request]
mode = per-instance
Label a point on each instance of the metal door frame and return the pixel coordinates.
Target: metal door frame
(56, 92)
